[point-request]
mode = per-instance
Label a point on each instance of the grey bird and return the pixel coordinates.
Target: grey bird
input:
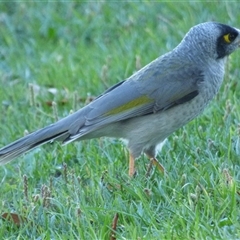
(152, 103)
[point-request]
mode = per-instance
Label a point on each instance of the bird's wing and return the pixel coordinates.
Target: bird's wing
(178, 85)
(150, 90)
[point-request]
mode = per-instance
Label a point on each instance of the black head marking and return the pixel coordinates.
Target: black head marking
(223, 46)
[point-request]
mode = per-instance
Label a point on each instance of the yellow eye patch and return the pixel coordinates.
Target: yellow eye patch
(228, 38)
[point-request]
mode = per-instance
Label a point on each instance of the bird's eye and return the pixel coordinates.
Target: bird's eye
(229, 37)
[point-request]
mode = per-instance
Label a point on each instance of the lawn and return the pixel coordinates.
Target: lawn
(54, 58)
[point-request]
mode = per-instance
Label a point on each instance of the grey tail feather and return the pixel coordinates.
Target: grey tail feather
(31, 141)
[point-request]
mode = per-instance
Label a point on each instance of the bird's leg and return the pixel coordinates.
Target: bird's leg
(131, 166)
(153, 160)
(157, 164)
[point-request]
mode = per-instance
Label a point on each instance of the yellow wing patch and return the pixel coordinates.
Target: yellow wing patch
(134, 103)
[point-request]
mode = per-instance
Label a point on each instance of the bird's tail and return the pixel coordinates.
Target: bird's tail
(56, 131)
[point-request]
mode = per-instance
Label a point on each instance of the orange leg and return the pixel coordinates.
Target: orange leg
(153, 160)
(131, 166)
(158, 165)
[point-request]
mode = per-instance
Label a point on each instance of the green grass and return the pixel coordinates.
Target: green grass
(74, 192)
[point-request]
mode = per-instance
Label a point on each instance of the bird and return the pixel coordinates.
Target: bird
(150, 105)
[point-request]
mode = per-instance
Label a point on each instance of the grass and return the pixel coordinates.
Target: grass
(74, 192)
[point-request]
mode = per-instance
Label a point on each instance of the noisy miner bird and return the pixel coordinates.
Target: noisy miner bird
(151, 104)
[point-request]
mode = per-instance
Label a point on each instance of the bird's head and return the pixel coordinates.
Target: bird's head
(212, 39)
